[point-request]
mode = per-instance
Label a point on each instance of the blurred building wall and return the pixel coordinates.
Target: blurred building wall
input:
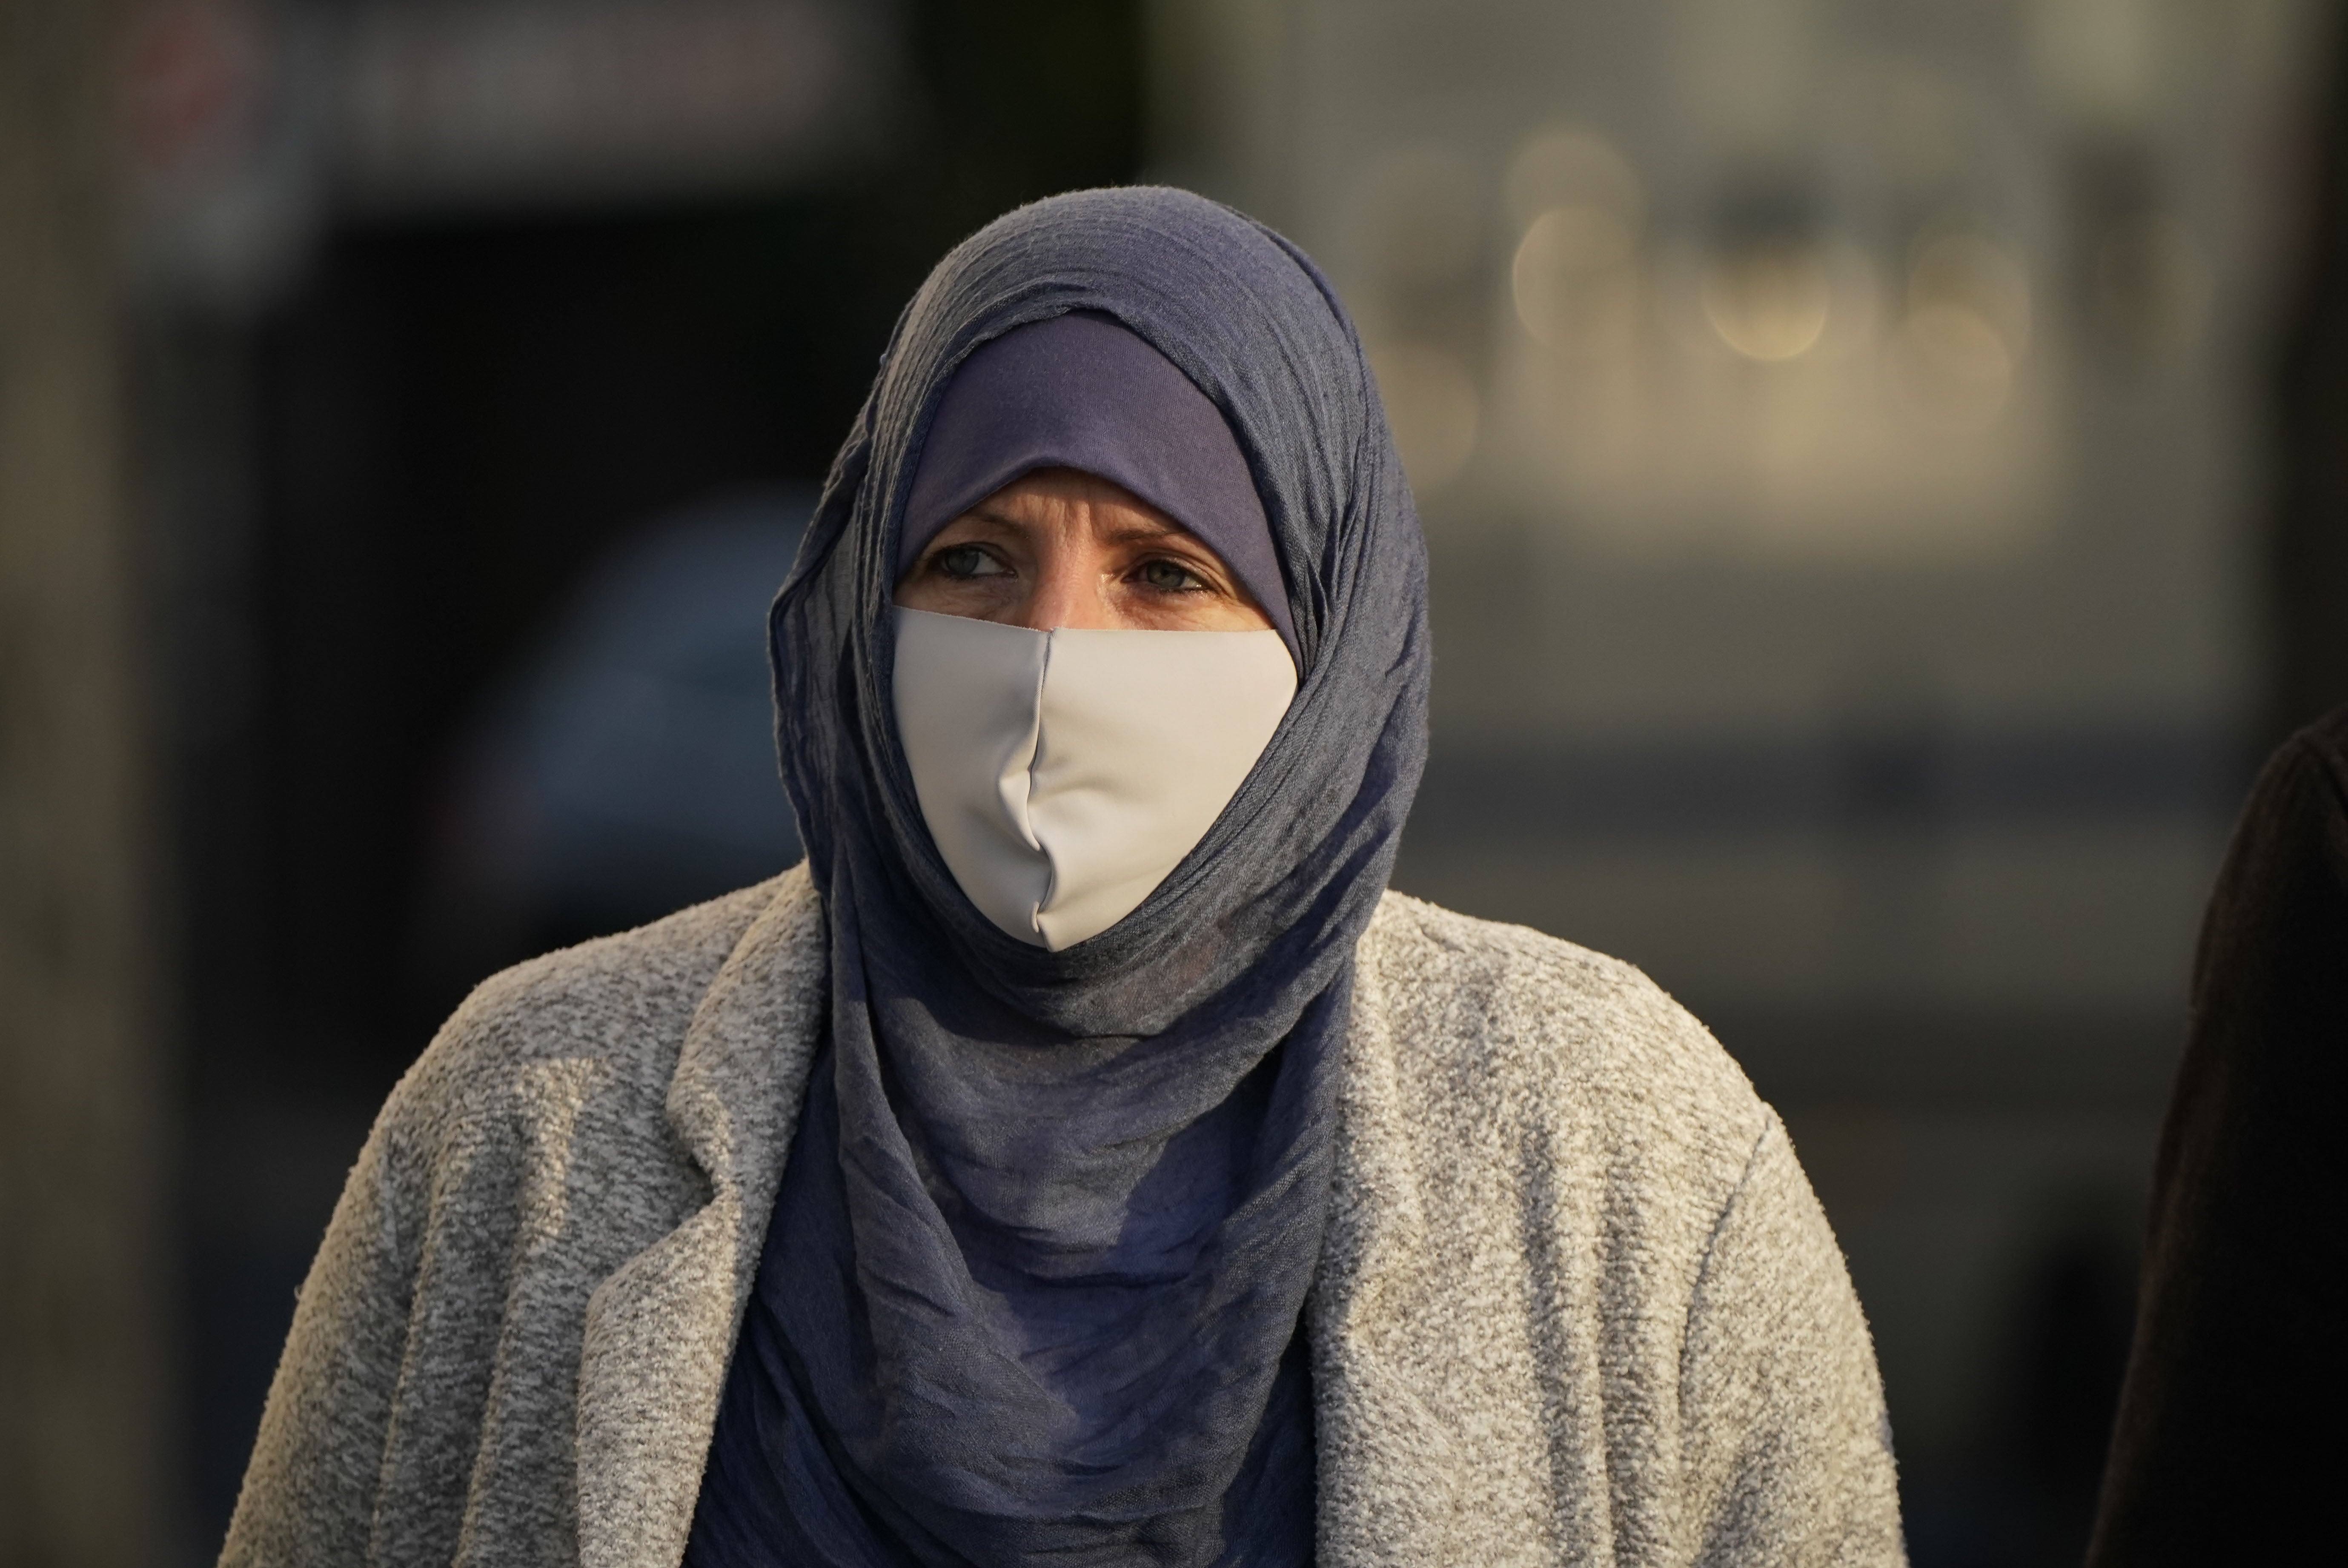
(1847, 411)
(2307, 563)
(1841, 428)
(85, 1387)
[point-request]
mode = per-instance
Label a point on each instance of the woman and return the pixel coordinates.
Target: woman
(1083, 1158)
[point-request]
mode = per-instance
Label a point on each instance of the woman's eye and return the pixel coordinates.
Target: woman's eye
(1170, 577)
(967, 561)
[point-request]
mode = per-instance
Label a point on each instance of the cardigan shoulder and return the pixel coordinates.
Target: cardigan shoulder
(1577, 1300)
(1556, 1028)
(426, 1405)
(620, 1004)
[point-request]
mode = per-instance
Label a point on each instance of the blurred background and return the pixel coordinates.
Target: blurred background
(1877, 458)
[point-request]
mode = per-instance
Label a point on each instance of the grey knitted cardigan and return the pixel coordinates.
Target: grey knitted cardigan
(1576, 1304)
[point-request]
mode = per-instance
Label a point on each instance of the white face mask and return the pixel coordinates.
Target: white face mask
(1065, 773)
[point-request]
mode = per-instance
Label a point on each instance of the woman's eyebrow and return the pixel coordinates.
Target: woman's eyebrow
(1146, 531)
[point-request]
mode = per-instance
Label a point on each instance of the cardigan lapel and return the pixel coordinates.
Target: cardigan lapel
(1397, 1476)
(660, 1329)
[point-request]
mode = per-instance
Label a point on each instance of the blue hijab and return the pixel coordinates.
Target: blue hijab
(1034, 1286)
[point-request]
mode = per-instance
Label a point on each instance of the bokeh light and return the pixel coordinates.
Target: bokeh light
(1768, 299)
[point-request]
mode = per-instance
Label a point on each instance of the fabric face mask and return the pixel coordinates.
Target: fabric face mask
(1063, 774)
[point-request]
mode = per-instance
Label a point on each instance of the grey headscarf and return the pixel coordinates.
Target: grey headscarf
(1033, 1289)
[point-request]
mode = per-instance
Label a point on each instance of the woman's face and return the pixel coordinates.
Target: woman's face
(1060, 547)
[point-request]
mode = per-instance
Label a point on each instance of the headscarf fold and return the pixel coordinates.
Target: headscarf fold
(1033, 1285)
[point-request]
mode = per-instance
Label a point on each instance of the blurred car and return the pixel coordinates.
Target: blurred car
(627, 768)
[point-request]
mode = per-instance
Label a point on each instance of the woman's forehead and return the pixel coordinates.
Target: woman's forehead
(1065, 487)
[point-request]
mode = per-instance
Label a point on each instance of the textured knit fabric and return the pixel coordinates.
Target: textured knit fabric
(1078, 391)
(2225, 1448)
(1045, 1241)
(1576, 1303)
